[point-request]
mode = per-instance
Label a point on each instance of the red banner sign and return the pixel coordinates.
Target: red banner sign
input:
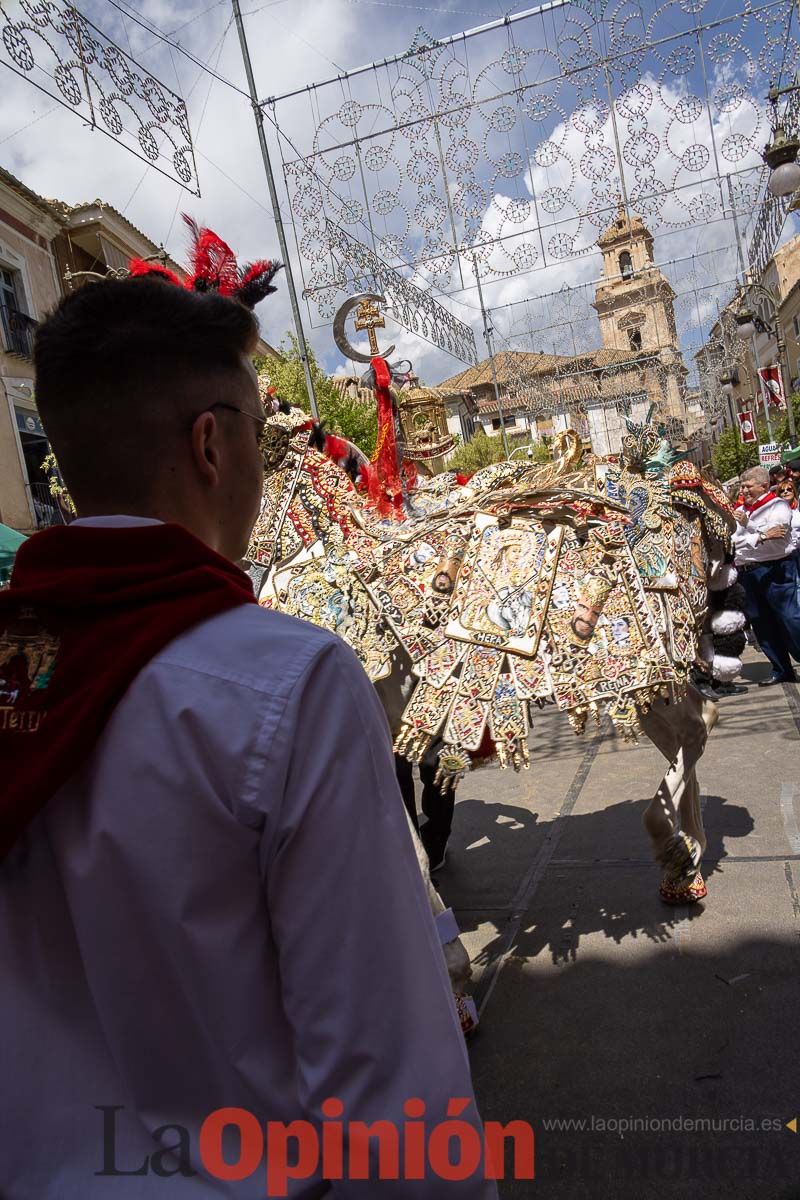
(772, 386)
(747, 427)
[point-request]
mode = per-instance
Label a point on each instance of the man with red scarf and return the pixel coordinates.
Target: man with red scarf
(209, 897)
(763, 549)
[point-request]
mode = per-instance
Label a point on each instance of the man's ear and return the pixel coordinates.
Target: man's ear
(206, 447)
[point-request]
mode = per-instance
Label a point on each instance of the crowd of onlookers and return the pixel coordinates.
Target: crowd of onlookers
(766, 550)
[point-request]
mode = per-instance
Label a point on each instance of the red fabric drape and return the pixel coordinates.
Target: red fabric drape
(384, 484)
(86, 609)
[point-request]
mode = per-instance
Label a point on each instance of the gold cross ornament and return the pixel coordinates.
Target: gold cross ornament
(369, 317)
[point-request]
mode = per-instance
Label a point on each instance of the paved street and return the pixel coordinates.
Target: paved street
(600, 1002)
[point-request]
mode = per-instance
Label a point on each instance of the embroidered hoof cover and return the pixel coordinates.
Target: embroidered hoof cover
(680, 859)
(695, 891)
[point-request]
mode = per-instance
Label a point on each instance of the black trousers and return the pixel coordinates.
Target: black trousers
(437, 803)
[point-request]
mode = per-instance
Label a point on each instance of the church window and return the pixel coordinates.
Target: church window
(625, 265)
(635, 339)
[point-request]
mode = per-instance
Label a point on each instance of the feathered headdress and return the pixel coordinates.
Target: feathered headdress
(213, 268)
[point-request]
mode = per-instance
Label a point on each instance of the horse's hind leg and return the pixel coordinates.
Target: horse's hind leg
(699, 716)
(673, 818)
(689, 811)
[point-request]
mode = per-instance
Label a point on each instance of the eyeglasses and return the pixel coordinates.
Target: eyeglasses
(260, 421)
(264, 430)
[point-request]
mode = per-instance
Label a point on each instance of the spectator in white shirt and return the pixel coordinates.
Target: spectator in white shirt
(219, 907)
(764, 551)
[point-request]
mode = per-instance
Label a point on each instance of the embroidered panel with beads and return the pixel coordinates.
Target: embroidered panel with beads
(328, 591)
(503, 587)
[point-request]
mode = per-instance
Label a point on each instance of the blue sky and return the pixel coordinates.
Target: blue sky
(557, 146)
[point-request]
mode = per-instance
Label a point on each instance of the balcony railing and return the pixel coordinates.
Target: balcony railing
(47, 508)
(18, 331)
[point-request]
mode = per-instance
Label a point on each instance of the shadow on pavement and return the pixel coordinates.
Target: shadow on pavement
(598, 880)
(613, 1007)
(681, 1036)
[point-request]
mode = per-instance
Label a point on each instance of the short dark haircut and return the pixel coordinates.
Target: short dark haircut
(118, 365)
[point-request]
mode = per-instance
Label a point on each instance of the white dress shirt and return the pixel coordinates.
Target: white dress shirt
(794, 531)
(221, 908)
(749, 547)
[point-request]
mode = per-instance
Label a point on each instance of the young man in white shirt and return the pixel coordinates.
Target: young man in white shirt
(764, 554)
(209, 896)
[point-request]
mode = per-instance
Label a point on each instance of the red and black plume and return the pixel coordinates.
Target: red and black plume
(140, 266)
(213, 268)
(212, 263)
(256, 281)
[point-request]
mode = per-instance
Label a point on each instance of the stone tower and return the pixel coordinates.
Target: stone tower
(634, 303)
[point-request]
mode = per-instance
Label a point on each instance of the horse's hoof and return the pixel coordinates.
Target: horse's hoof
(710, 714)
(680, 859)
(695, 891)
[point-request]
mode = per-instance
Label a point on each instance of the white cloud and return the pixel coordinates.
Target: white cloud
(59, 157)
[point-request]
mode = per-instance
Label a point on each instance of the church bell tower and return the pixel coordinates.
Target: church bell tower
(634, 300)
(635, 306)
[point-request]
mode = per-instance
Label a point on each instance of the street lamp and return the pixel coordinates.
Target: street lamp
(780, 154)
(781, 158)
(745, 324)
(728, 380)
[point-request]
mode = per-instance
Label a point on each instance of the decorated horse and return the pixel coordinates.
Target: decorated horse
(472, 602)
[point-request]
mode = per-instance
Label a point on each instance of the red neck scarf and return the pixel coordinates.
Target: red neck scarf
(86, 610)
(759, 503)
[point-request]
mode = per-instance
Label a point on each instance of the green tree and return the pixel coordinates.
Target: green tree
(781, 430)
(731, 455)
(347, 416)
(483, 450)
(541, 454)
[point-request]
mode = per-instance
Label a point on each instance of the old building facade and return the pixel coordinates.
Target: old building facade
(46, 248)
(726, 359)
(29, 288)
(638, 365)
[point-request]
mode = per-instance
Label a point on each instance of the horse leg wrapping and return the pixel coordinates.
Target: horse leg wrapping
(673, 818)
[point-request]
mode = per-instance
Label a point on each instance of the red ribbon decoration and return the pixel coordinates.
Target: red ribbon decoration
(384, 484)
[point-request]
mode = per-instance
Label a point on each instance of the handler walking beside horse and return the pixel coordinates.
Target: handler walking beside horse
(764, 553)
